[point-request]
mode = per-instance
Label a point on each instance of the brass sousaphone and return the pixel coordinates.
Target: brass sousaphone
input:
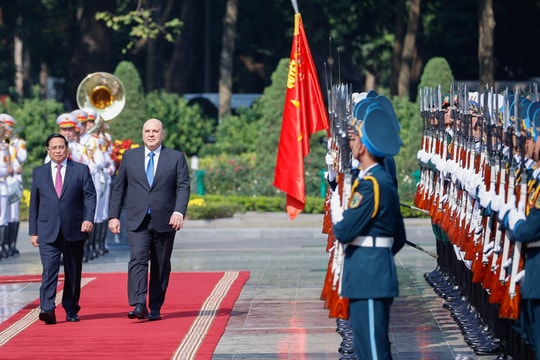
(102, 92)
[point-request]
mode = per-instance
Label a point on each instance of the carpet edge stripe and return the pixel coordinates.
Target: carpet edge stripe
(31, 317)
(191, 342)
(206, 316)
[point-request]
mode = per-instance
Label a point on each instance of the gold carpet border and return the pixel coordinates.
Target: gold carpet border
(192, 341)
(31, 317)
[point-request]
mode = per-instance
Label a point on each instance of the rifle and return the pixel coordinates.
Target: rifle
(511, 302)
(339, 109)
(506, 186)
(491, 175)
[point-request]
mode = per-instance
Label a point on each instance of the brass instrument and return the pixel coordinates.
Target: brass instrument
(104, 93)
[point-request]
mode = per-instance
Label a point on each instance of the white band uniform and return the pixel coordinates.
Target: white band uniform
(373, 241)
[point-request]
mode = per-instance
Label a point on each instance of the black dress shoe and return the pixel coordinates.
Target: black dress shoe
(48, 317)
(139, 312)
(72, 317)
(154, 315)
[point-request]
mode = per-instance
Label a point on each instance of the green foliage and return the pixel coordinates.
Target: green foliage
(216, 206)
(36, 119)
(211, 210)
(141, 25)
(411, 134)
(128, 125)
(243, 160)
(186, 127)
(437, 71)
(236, 134)
(271, 111)
(229, 174)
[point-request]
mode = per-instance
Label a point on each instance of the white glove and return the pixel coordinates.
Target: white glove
(336, 210)
(496, 202)
(506, 207)
(520, 276)
(515, 216)
(329, 158)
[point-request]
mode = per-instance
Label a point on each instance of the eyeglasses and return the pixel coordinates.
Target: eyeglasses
(59, 147)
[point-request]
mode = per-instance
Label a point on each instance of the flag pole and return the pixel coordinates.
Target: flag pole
(295, 6)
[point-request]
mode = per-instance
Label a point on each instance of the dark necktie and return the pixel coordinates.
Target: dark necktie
(58, 184)
(150, 169)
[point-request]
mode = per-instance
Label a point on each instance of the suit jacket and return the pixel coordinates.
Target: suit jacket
(169, 192)
(77, 203)
(370, 272)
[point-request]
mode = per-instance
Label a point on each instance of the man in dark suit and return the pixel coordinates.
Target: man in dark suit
(154, 187)
(61, 214)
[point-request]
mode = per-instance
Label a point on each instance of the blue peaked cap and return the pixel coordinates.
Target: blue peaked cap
(378, 132)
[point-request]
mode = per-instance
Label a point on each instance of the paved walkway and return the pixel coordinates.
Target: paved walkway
(279, 314)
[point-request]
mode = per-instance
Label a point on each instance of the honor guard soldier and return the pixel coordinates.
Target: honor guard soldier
(18, 157)
(524, 227)
(369, 229)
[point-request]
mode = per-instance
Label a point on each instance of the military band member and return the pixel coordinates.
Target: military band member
(17, 147)
(91, 142)
(67, 127)
(6, 170)
(368, 228)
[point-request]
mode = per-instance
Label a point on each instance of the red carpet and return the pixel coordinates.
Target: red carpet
(196, 311)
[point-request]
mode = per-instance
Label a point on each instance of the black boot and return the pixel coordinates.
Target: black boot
(4, 245)
(94, 238)
(103, 248)
(13, 230)
(86, 253)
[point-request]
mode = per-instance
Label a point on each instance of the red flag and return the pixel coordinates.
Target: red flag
(304, 113)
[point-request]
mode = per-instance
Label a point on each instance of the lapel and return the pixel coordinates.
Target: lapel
(162, 164)
(49, 177)
(67, 176)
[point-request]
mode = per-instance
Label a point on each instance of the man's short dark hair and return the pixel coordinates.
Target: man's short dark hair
(52, 136)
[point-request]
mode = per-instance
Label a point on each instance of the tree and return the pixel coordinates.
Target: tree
(226, 58)
(91, 45)
(128, 124)
(486, 29)
(399, 31)
(409, 48)
(186, 50)
(437, 72)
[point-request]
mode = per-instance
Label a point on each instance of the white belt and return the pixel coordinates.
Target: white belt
(534, 244)
(373, 241)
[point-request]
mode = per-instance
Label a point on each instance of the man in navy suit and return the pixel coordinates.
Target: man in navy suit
(154, 187)
(61, 214)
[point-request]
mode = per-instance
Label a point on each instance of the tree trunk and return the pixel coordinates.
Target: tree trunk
(226, 58)
(92, 45)
(486, 28)
(154, 49)
(409, 48)
(398, 46)
(369, 82)
(18, 60)
(186, 50)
